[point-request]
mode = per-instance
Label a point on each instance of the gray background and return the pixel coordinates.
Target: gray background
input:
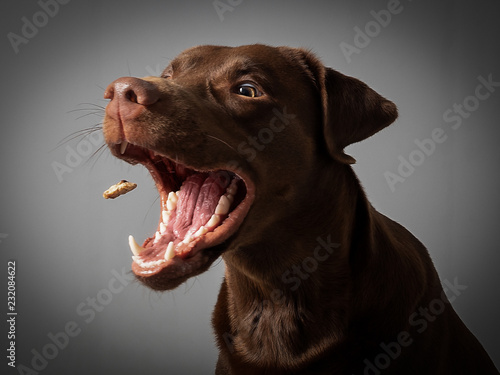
(68, 241)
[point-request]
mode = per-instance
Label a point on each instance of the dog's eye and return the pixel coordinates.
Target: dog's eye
(167, 73)
(249, 90)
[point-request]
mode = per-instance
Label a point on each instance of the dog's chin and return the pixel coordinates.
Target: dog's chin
(201, 209)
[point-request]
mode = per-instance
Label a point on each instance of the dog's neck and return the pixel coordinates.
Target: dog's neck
(289, 286)
(273, 298)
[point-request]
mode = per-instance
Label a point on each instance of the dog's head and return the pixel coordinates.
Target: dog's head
(230, 136)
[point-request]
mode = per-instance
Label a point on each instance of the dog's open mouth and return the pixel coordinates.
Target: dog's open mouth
(199, 210)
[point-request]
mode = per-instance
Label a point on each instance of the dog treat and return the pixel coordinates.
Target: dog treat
(122, 187)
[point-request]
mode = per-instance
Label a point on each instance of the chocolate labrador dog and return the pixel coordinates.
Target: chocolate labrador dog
(246, 147)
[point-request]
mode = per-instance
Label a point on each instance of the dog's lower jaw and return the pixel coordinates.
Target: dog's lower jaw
(164, 280)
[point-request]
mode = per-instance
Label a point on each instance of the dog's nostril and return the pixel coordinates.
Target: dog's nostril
(131, 95)
(131, 91)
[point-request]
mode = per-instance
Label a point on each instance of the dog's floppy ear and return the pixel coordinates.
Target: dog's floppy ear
(352, 111)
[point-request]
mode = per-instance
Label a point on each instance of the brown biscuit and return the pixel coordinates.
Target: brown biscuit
(122, 187)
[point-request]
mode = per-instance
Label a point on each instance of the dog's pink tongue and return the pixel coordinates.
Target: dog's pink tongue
(198, 198)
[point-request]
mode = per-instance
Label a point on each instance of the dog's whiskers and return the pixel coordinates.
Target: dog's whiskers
(79, 134)
(220, 140)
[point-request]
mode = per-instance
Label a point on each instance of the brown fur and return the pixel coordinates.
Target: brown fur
(370, 276)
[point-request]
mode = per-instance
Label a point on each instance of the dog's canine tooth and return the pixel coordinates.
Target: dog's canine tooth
(170, 252)
(123, 147)
(223, 206)
(134, 246)
(214, 220)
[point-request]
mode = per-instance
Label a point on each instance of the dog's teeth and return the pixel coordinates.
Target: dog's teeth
(152, 264)
(172, 201)
(173, 196)
(214, 220)
(123, 147)
(201, 232)
(170, 252)
(165, 216)
(233, 188)
(188, 238)
(134, 246)
(138, 260)
(157, 236)
(170, 205)
(223, 206)
(163, 228)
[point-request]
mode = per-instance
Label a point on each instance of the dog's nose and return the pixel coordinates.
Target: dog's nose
(129, 96)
